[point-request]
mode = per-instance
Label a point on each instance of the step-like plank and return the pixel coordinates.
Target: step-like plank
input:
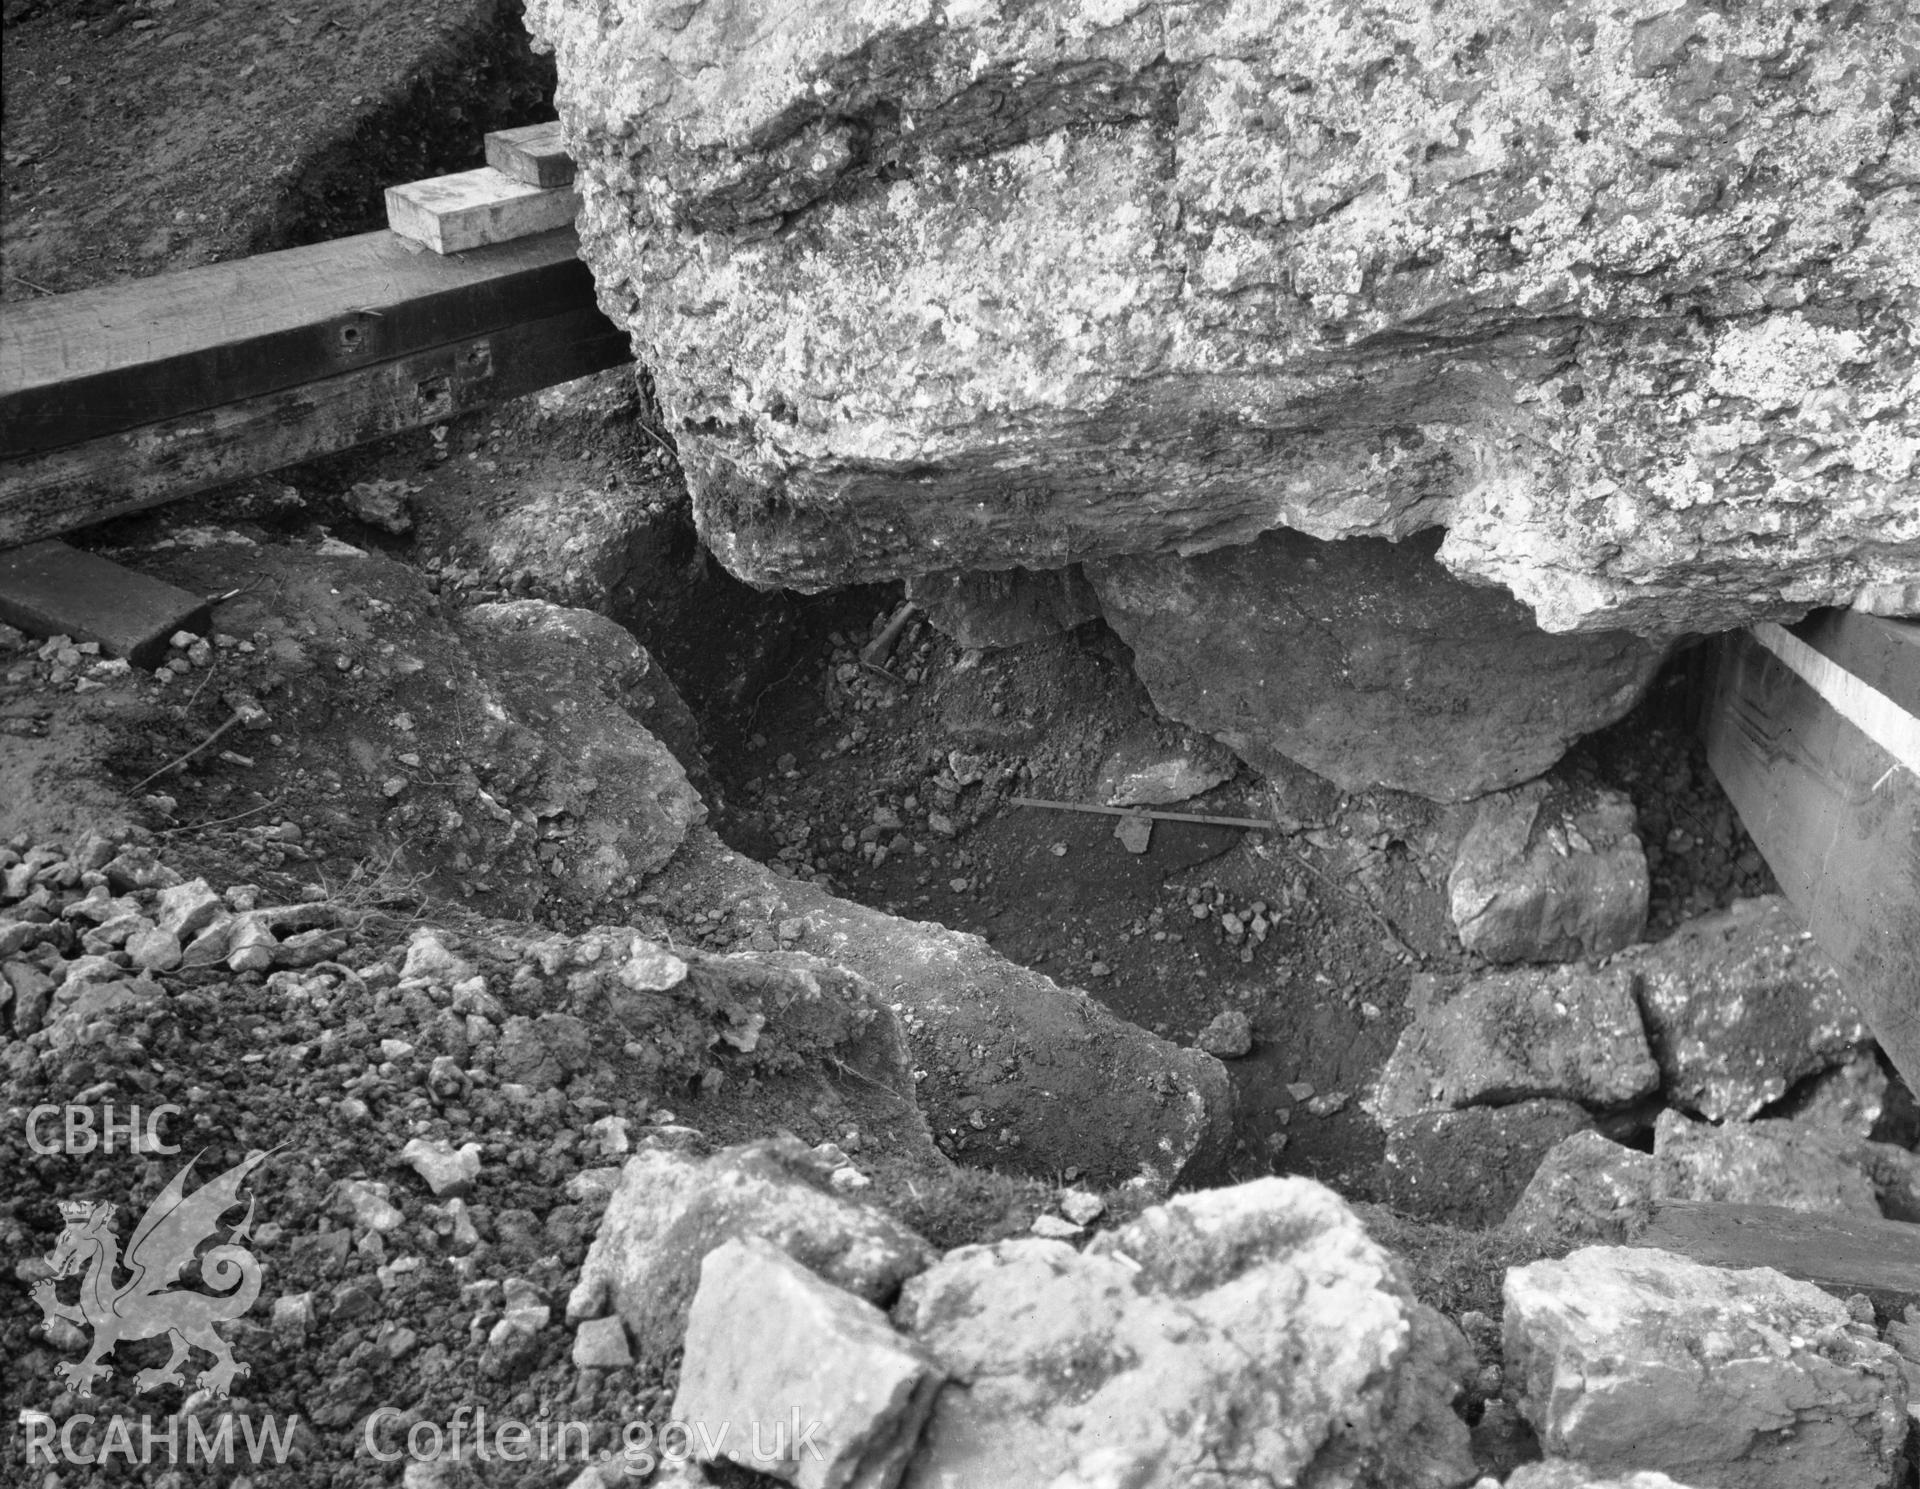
(98, 362)
(69, 487)
(533, 153)
(473, 209)
(1835, 813)
(1840, 1253)
(50, 589)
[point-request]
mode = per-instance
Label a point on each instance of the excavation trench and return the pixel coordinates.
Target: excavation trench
(898, 786)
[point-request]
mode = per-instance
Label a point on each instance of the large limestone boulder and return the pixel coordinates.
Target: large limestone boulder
(1540, 879)
(1247, 1335)
(817, 1389)
(1365, 661)
(1569, 1033)
(1630, 1358)
(1587, 1188)
(1782, 1163)
(1620, 295)
(609, 787)
(670, 1212)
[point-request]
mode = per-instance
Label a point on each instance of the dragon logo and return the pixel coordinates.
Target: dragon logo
(164, 1241)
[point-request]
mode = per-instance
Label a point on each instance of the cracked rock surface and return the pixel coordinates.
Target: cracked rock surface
(1620, 296)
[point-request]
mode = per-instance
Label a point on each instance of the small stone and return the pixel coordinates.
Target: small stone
(610, 1136)
(154, 950)
(447, 1170)
(601, 1344)
(1229, 1036)
(1080, 1206)
(292, 1317)
(847, 1179)
(251, 947)
(1054, 1228)
(366, 1204)
(187, 909)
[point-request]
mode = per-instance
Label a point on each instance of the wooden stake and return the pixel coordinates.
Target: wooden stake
(1260, 824)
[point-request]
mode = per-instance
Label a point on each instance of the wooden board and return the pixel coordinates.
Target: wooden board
(472, 209)
(533, 153)
(158, 462)
(49, 589)
(97, 362)
(1882, 653)
(1836, 816)
(1841, 1253)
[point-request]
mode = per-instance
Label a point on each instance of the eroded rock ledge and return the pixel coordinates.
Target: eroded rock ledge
(1621, 296)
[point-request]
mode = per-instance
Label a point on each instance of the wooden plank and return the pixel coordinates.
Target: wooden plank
(49, 589)
(1872, 712)
(472, 209)
(125, 472)
(1841, 1253)
(1838, 820)
(534, 153)
(94, 363)
(1881, 652)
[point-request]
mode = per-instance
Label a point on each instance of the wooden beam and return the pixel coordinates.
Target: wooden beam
(49, 589)
(1884, 654)
(1841, 1253)
(471, 209)
(1835, 813)
(66, 488)
(95, 363)
(533, 153)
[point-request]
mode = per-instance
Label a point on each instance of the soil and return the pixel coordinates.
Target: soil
(168, 133)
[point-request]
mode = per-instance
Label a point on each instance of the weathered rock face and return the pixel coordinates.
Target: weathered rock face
(1005, 608)
(1619, 296)
(1247, 1335)
(1780, 1163)
(1469, 1167)
(1629, 1358)
(1366, 662)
